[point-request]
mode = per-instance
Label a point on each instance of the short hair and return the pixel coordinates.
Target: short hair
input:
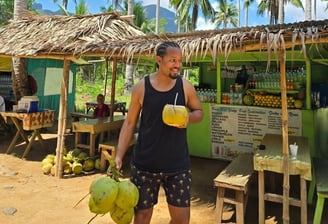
(161, 48)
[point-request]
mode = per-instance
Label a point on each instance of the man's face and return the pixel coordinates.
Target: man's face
(100, 100)
(171, 62)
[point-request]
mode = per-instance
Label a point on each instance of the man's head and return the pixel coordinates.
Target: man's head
(100, 99)
(169, 58)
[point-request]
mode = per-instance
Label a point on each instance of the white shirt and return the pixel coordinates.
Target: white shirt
(2, 104)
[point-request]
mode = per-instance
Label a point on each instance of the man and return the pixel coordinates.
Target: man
(161, 156)
(102, 110)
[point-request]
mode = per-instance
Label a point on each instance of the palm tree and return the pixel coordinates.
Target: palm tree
(63, 3)
(183, 8)
(247, 3)
(21, 85)
(272, 8)
(226, 14)
(81, 8)
(129, 70)
(308, 10)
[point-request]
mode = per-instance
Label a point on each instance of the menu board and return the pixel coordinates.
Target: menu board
(240, 129)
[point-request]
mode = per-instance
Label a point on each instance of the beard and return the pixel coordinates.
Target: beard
(173, 76)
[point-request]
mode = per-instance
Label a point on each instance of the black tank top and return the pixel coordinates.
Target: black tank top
(160, 148)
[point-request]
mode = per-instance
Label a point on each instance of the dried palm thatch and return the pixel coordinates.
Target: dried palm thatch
(62, 36)
(223, 42)
(111, 36)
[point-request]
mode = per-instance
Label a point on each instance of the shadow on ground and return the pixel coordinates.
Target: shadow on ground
(204, 170)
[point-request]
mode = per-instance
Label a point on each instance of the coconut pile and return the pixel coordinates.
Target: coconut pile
(75, 162)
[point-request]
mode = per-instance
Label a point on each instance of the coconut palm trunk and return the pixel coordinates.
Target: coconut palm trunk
(308, 10)
(19, 73)
(129, 70)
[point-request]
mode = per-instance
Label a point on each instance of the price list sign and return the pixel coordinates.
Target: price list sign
(240, 129)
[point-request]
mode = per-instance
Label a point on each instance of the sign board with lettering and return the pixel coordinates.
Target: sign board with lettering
(240, 129)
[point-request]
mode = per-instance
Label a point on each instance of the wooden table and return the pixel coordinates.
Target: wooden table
(271, 159)
(77, 115)
(29, 122)
(118, 106)
(95, 127)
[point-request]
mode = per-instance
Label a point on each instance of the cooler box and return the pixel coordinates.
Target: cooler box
(29, 103)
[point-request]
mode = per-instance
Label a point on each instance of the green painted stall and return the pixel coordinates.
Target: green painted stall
(312, 118)
(48, 75)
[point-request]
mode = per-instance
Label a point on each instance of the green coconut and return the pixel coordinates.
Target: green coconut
(128, 195)
(121, 216)
(88, 164)
(97, 164)
(46, 168)
(67, 168)
(104, 191)
(47, 161)
(82, 156)
(77, 167)
(76, 152)
(95, 208)
(51, 157)
(248, 100)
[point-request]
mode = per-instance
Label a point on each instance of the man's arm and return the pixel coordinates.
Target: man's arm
(193, 103)
(129, 125)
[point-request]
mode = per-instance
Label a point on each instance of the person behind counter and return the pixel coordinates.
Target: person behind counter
(160, 157)
(102, 110)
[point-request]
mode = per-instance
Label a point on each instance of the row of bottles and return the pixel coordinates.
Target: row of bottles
(206, 95)
(232, 98)
(5, 78)
(271, 80)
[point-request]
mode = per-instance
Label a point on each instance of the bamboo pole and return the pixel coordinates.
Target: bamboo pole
(308, 103)
(62, 118)
(106, 76)
(112, 93)
(286, 186)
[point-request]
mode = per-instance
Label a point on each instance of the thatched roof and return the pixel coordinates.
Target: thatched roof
(61, 36)
(111, 36)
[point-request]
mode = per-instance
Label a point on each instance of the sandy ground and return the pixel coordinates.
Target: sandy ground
(38, 198)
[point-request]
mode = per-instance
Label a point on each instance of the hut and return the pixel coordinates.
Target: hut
(66, 38)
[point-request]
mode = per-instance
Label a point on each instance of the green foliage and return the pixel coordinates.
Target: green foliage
(7, 10)
(88, 90)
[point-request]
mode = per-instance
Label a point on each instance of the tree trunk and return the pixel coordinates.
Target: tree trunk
(21, 85)
(281, 12)
(308, 10)
(158, 5)
(128, 82)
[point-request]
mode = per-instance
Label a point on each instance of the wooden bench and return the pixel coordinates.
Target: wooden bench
(234, 177)
(108, 149)
(321, 182)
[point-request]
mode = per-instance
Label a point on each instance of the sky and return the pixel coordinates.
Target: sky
(292, 14)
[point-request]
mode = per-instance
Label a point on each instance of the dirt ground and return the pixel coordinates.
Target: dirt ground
(37, 198)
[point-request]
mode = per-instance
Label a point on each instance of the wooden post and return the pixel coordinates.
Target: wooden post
(285, 150)
(112, 93)
(62, 118)
(106, 76)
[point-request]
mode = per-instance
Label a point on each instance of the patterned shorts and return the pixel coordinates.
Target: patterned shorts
(176, 187)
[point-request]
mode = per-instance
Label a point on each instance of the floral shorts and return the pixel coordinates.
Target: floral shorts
(176, 187)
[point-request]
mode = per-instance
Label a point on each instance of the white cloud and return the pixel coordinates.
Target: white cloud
(293, 14)
(204, 25)
(163, 3)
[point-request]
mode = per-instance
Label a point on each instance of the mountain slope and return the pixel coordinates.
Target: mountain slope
(169, 16)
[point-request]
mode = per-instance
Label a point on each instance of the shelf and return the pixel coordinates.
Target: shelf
(274, 91)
